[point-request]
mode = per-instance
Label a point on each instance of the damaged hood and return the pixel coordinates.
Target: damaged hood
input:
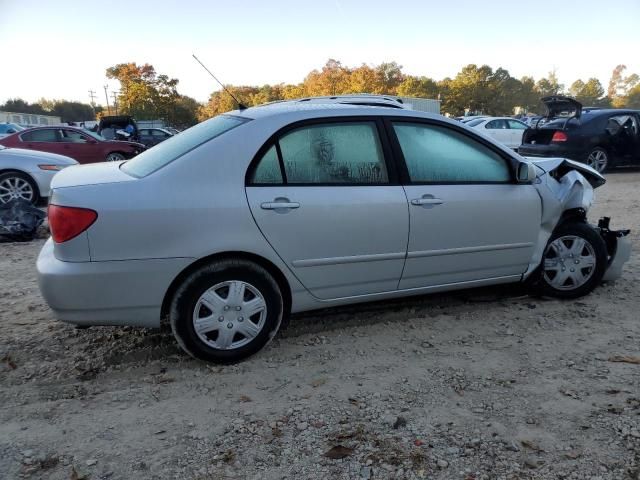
(561, 166)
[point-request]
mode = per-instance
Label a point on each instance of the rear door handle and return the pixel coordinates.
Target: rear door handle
(280, 203)
(426, 201)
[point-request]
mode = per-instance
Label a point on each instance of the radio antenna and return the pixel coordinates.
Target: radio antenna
(240, 105)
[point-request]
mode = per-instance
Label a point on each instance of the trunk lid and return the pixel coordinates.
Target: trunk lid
(561, 106)
(91, 174)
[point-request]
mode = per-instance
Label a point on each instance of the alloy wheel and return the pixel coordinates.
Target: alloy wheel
(229, 315)
(12, 188)
(114, 157)
(569, 262)
(598, 160)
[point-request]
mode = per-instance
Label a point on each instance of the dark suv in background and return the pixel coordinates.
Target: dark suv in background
(601, 138)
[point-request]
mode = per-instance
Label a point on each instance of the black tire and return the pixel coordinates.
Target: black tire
(587, 233)
(197, 283)
(23, 176)
(114, 157)
(599, 152)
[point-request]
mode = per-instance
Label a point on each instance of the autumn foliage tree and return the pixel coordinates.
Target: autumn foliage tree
(147, 95)
(474, 90)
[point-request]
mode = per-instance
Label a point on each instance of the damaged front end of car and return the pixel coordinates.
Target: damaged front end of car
(566, 190)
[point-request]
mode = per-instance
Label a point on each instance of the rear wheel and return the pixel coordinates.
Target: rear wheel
(14, 185)
(598, 159)
(574, 261)
(226, 311)
(114, 157)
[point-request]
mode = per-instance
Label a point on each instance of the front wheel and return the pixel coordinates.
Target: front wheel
(226, 311)
(114, 157)
(598, 159)
(574, 261)
(17, 185)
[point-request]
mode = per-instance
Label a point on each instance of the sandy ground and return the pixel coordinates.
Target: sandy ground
(482, 384)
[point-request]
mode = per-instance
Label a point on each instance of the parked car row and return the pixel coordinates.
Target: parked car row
(601, 138)
(82, 145)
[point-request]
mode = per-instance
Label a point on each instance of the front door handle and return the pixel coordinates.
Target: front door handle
(280, 203)
(426, 200)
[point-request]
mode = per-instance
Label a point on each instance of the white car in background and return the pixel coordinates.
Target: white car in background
(7, 129)
(27, 174)
(505, 130)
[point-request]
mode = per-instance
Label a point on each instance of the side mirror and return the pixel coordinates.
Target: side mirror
(526, 173)
(11, 130)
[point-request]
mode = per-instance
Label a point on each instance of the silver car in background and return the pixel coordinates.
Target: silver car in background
(231, 226)
(27, 174)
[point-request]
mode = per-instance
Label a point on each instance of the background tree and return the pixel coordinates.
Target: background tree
(528, 98)
(633, 98)
(68, 111)
(144, 94)
(620, 86)
(549, 86)
(421, 87)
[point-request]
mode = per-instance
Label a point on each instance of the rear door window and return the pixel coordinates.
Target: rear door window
(336, 153)
(516, 125)
(497, 125)
(46, 135)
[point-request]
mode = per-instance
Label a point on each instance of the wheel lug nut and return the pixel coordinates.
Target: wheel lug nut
(229, 325)
(573, 269)
(576, 261)
(241, 319)
(238, 308)
(226, 307)
(221, 318)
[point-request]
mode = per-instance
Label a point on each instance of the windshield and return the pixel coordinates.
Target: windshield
(473, 123)
(166, 152)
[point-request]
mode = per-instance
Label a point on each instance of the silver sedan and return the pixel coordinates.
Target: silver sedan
(224, 230)
(27, 174)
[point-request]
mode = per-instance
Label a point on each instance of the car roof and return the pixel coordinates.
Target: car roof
(609, 111)
(318, 109)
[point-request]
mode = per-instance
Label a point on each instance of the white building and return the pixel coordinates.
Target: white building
(421, 104)
(29, 119)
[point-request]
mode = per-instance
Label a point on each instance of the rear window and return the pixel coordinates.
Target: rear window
(166, 152)
(473, 123)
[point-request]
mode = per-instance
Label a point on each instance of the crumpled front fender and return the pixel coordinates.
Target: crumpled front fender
(559, 194)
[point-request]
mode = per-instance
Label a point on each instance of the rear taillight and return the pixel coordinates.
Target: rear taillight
(559, 137)
(66, 223)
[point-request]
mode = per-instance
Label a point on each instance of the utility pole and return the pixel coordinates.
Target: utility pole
(92, 96)
(114, 94)
(106, 96)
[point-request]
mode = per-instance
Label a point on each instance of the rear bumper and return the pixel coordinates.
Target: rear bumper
(128, 292)
(551, 150)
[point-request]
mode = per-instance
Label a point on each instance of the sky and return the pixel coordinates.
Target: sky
(60, 49)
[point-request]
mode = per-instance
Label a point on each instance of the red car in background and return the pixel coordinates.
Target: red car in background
(81, 145)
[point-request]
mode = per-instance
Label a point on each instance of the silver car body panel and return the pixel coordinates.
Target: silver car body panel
(327, 240)
(27, 161)
(446, 247)
(151, 229)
